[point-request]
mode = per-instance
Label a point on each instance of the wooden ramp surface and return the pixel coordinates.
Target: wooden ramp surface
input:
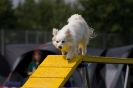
(53, 72)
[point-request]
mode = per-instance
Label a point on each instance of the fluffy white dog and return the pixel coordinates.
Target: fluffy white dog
(73, 36)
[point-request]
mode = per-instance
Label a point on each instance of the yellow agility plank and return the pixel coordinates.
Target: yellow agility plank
(46, 72)
(107, 60)
(53, 72)
(59, 61)
(43, 83)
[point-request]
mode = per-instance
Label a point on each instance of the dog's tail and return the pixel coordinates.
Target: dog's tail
(92, 33)
(75, 17)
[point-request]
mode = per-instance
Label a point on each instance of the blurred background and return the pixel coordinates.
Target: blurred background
(31, 22)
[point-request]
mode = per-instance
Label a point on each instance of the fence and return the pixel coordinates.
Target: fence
(23, 37)
(38, 37)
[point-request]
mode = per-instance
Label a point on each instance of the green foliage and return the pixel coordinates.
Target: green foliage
(46, 14)
(7, 18)
(109, 16)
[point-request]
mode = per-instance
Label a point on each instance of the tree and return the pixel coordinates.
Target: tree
(109, 16)
(7, 18)
(25, 13)
(44, 13)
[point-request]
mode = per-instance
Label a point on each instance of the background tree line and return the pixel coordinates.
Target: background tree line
(110, 16)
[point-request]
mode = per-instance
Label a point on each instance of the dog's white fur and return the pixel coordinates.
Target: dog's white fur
(73, 36)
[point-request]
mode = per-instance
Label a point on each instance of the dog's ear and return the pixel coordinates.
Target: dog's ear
(67, 32)
(53, 39)
(55, 31)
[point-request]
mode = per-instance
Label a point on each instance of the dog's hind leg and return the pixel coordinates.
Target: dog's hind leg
(78, 50)
(83, 47)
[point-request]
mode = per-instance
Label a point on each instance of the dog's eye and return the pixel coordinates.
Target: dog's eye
(63, 41)
(57, 41)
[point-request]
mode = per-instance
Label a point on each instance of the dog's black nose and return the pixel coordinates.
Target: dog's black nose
(60, 47)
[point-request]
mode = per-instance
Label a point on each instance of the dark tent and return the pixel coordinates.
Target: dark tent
(13, 51)
(114, 73)
(22, 62)
(119, 51)
(5, 69)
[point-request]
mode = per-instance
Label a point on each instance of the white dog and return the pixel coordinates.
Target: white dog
(73, 36)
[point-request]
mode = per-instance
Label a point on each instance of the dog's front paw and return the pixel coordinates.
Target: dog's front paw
(68, 57)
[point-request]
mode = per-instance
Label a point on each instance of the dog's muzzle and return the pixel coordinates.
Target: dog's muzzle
(60, 47)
